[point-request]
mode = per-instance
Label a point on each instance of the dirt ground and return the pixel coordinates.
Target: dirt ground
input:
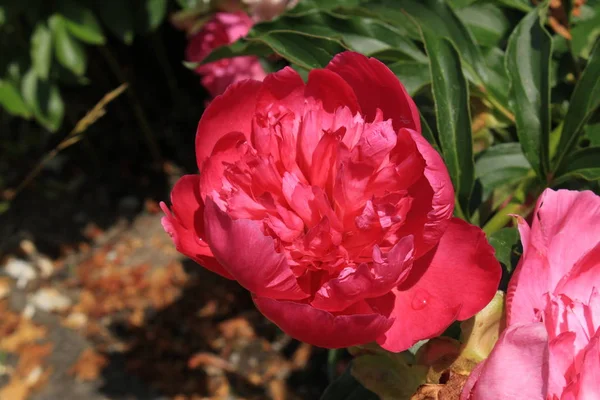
(124, 316)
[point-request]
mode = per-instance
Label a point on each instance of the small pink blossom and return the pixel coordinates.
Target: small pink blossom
(224, 28)
(550, 349)
(324, 201)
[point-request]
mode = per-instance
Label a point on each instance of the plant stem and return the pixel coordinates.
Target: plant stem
(502, 218)
(333, 357)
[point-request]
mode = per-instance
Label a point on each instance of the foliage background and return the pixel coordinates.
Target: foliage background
(509, 93)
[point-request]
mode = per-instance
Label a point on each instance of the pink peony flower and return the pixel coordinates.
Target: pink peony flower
(223, 29)
(324, 201)
(551, 346)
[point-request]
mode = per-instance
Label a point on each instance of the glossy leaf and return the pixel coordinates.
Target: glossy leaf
(311, 39)
(503, 242)
(41, 50)
(81, 22)
(451, 96)
(487, 23)
(528, 65)
(522, 5)
(429, 135)
(584, 101)
(414, 75)
(44, 100)
(390, 375)
(583, 164)
(69, 51)
(149, 14)
(346, 387)
(12, 101)
(501, 164)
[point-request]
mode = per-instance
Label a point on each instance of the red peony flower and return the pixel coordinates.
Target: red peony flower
(223, 29)
(324, 201)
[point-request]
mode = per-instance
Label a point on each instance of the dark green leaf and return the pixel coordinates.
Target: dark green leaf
(150, 14)
(585, 33)
(81, 22)
(69, 51)
(451, 97)
(390, 375)
(503, 242)
(346, 387)
(584, 101)
(487, 22)
(413, 75)
(438, 18)
(583, 164)
(523, 5)
(11, 100)
(118, 18)
(41, 50)
(500, 165)
(429, 135)
(44, 99)
(527, 65)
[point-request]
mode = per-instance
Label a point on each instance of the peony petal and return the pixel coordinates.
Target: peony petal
(453, 281)
(589, 377)
(576, 284)
(284, 88)
(185, 224)
(517, 367)
(249, 256)
(321, 328)
(332, 90)
(561, 357)
(438, 215)
(566, 227)
(355, 284)
(376, 87)
(230, 112)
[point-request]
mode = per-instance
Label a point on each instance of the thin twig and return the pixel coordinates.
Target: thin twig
(73, 137)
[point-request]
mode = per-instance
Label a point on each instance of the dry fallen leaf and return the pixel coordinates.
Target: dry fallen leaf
(16, 389)
(89, 365)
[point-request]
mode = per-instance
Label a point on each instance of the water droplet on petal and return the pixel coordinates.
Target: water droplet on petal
(420, 299)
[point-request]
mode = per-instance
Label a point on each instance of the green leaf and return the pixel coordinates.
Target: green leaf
(11, 100)
(390, 375)
(522, 5)
(451, 96)
(414, 75)
(150, 14)
(81, 22)
(501, 164)
(437, 17)
(585, 33)
(527, 65)
(69, 51)
(583, 164)
(503, 242)
(346, 387)
(44, 99)
(429, 135)
(41, 50)
(118, 18)
(584, 101)
(486, 21)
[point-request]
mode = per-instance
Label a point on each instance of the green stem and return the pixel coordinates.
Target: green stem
(502, 217)
(332, 359)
